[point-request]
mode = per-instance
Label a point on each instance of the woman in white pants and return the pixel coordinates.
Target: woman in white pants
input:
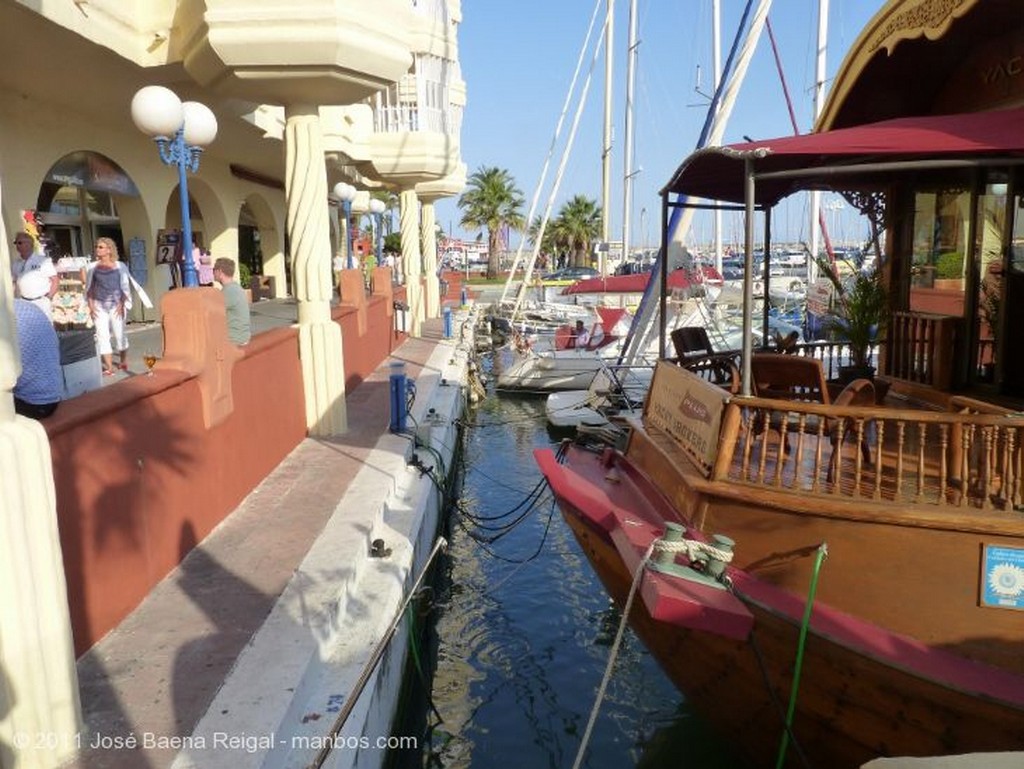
(108, 292)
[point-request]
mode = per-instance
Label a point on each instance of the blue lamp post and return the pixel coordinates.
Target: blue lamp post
(346, 193)
(180, 130)
(377, 209)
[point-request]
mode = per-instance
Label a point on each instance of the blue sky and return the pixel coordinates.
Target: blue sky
(518, 60)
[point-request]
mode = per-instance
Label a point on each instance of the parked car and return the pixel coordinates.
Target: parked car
(572, 273)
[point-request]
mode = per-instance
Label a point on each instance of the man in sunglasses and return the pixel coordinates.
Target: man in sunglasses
(26, 261)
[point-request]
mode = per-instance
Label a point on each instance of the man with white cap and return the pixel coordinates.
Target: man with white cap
(42, 284)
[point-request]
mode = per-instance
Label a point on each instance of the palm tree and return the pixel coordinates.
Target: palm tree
(579, 223)
(491, 202)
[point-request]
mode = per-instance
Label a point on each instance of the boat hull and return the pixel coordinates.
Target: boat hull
(864, 692)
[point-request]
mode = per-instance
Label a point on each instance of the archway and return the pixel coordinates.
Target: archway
(260, 249)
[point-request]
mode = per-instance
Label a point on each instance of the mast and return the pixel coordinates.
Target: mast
(819, 103)
(606, 151)
(716, 67)
(627, 173)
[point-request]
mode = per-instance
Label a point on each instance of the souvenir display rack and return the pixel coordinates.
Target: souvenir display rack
(70, 310)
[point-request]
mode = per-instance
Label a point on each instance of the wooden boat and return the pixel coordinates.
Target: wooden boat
(906, 639)
(907, 651)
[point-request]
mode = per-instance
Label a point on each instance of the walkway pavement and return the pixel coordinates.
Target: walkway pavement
(155, 676)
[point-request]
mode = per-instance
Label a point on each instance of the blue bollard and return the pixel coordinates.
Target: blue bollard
(462, 297)
(446, 315)
(398, 393)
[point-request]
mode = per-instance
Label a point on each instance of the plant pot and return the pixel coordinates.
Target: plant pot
(848, 373)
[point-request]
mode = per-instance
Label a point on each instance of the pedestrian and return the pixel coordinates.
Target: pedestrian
(108, 292)
(337, 265)
(236, 306)
(204, 266)
(39, 387)
(28, 260)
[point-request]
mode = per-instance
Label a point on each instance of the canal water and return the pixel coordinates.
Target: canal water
(520, 632)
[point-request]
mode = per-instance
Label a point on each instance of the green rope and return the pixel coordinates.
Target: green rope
(804, 625)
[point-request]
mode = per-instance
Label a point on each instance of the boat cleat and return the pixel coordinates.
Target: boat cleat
(707, 565)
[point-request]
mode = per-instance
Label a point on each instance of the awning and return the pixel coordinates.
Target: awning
(864, 156)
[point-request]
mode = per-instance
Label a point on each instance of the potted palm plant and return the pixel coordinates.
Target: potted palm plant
(857, 316)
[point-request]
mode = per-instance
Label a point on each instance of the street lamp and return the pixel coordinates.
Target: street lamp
(346, 193)
(377, 209)
(180, 130)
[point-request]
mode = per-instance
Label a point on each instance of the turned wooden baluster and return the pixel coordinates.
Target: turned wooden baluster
(879, 459)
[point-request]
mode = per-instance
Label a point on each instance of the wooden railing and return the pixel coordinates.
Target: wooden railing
(921, 348)
(962, 459)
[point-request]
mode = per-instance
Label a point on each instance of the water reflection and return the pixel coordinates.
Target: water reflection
(523, 639)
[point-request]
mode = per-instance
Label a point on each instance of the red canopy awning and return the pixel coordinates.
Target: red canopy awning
(847, 158)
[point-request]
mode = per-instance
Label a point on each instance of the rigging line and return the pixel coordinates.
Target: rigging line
(613, 655)
(373, 661)
(529, 500)
(798, 664)
(505, 528)
(796, 132)
(483, 545)
(773, 695)
(551, 149)
(558, 176)
(643, 326)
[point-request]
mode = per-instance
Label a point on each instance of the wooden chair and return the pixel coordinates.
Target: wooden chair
(799, 378)
(690, 342)
(788, 377)
(695, 353)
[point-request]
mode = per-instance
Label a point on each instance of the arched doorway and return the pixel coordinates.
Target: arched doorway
(78, 201)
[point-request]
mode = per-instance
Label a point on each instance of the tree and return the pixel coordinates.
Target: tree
(578, 226)
(491, 202)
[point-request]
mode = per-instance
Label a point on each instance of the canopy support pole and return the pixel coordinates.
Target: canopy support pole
(748, 274)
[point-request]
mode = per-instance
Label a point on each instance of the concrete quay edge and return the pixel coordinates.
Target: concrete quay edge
(192, 661)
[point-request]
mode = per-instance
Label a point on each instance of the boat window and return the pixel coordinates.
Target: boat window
(942, 237)
(988, 269)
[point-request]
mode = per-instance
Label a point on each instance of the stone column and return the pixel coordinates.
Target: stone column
(431, 284)
(410, 227)
(320, 344)
(38, 680)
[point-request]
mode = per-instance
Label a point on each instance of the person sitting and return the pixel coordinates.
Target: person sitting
(39, 387)
(580, 337)
(236, 306)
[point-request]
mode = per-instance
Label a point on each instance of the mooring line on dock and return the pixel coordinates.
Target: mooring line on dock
(375, 658)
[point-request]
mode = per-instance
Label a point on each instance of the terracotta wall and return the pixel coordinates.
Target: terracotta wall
(135, 467)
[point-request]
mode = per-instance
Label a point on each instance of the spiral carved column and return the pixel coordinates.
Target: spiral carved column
(431, 283)
(411, 258)
(320, 344)
(38, 680)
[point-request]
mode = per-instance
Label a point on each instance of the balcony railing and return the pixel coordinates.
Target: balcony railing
(968, 458)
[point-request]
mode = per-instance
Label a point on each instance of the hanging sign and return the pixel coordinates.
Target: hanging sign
(168, 246)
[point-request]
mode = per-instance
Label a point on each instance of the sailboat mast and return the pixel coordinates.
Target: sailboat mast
(819, 103)
(716, 66)
(606, 151)
(627, 173)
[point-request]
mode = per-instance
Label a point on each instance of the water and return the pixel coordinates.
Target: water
(524, 630)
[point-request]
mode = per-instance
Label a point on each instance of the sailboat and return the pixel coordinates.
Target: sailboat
(702, 283)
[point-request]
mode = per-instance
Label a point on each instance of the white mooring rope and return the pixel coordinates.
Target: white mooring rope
(614, 653)
(693, 548)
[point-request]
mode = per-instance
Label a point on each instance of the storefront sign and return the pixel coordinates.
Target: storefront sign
(688, 409)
